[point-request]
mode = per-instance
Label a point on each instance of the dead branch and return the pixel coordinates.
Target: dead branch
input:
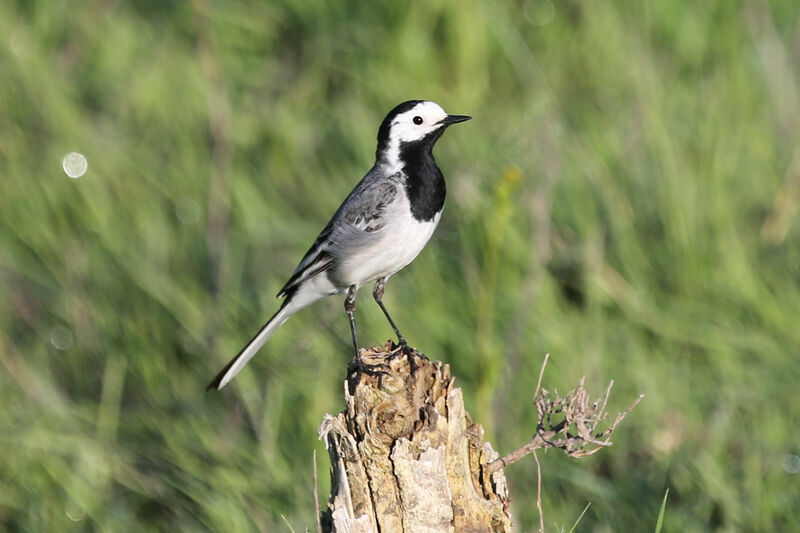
(569, 423)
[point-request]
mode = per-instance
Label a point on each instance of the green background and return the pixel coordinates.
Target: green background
(624, 199)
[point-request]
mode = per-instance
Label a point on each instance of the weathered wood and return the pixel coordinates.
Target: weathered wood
(405, 455)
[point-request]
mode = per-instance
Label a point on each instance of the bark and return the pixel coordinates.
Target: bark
(405, 455)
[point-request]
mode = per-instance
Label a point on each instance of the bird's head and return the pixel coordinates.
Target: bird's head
(414, 121)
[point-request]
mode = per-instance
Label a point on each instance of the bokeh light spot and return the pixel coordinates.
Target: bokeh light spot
(19, 43)
(191, 345)
(74, 511)
(61, 338)
(74, 165)
(539, 12)
(187, 211)
(791, 463)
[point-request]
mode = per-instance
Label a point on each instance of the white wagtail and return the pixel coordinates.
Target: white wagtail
(380, 227)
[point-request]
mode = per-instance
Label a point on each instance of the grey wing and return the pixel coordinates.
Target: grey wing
(364, 208)
(359, 217)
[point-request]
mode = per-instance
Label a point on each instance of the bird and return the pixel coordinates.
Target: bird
(381, 226)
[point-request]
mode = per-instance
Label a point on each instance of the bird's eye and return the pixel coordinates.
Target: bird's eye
(417, 120)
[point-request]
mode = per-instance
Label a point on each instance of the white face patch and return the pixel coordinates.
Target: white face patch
(413, 125)
(417, 122)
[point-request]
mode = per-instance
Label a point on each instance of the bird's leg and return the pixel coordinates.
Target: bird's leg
(349, 307)
(357, 365)
(377, 293)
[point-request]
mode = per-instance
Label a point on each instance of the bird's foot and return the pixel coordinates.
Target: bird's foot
(402, 348)
(399, 348)
(357, 367)
(403, 344)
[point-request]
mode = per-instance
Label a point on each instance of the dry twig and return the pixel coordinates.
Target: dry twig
(569, 423)
(539, 490)
(316, 495)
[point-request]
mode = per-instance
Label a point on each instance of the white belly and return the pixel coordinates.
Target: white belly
(396, 246)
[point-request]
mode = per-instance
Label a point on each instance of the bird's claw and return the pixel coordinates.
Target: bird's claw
(357, 367)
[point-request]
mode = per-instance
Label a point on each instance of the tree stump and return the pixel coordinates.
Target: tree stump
(405, 455)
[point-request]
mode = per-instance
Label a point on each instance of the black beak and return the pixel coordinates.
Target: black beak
(454, 119)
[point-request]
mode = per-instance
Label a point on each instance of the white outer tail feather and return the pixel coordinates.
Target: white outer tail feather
(252, 348)
(307, 293)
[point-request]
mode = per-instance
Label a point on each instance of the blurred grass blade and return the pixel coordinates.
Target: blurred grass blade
(580, 517)
(661, 512)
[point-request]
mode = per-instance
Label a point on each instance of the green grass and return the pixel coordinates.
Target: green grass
(624, 199)
(660, 521)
